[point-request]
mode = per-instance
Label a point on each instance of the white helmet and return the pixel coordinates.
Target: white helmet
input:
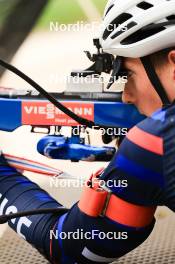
(136, 28)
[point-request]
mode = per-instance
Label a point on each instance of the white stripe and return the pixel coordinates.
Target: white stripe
(96, 258)
(31, 164)
(20, 167)
(24, 165)
(30, 168)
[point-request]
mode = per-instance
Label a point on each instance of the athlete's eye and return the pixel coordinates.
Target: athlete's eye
(129, 73)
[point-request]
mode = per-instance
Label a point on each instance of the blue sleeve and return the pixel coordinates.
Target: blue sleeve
(169, 157)
(139, 161)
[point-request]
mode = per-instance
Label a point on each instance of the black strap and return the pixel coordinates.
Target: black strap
(152, 75)
(159, 25)
(58, 210)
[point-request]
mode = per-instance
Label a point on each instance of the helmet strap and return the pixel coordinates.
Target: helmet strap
(152, 75)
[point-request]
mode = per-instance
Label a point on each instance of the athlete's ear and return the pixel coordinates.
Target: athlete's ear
(171, 57)
(171, 60)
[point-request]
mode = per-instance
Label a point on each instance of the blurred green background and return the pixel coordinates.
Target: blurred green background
(62, 11)
(66, 11)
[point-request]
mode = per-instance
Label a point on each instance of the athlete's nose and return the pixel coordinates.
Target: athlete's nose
(126, 98)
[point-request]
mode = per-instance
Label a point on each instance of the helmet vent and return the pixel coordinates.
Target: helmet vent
(115, 23)
(172, 17)
(144, 5)
(129, 26)
(141, 34)
(109, 9)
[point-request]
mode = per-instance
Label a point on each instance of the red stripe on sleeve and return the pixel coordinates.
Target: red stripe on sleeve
(145, 140)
